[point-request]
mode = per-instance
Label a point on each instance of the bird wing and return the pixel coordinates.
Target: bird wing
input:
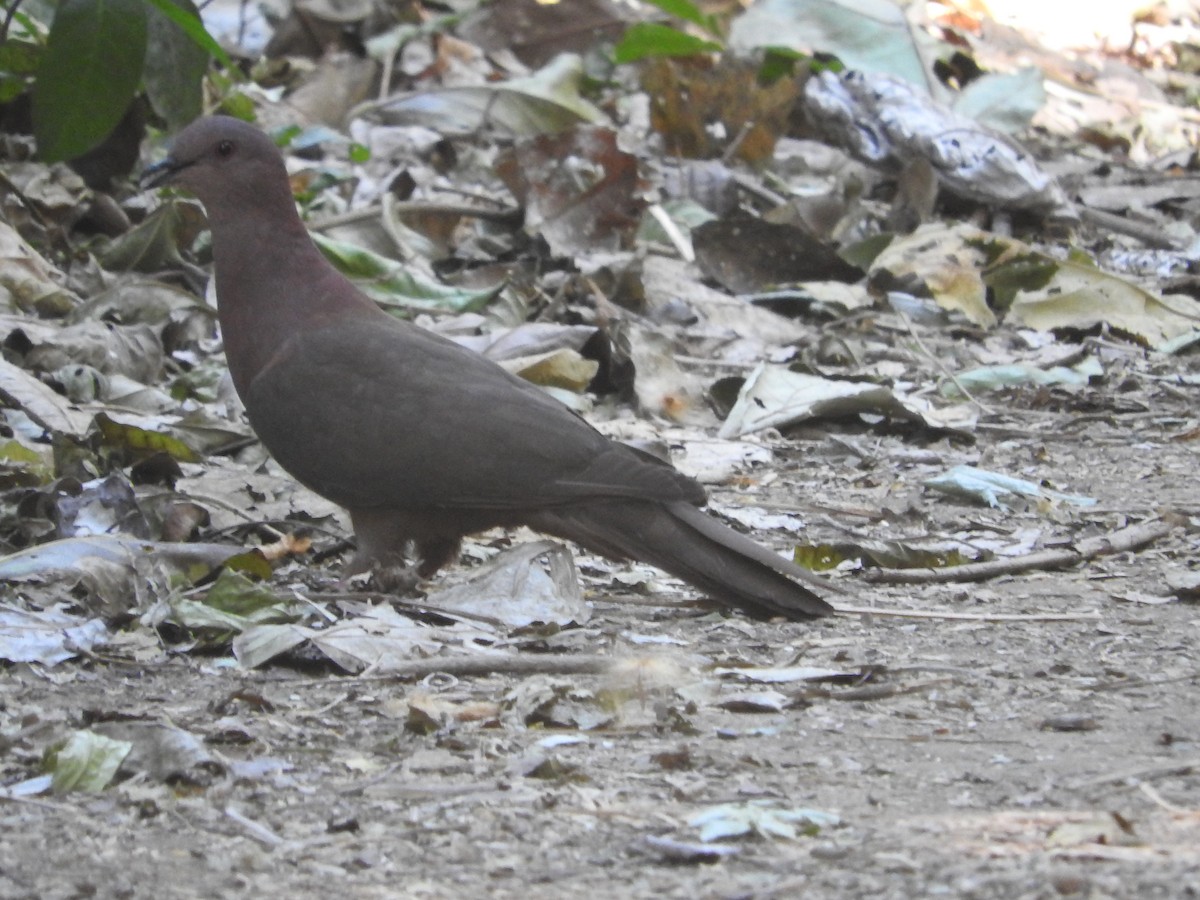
(373, 412)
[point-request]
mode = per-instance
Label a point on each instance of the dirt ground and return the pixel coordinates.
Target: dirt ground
(1030, 736)
(972, 758)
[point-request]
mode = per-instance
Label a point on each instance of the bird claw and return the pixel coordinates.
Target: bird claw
(395, 579)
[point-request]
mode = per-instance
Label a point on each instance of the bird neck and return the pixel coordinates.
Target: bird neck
(272, 285)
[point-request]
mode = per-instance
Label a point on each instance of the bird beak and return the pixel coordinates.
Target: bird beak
(160, 173)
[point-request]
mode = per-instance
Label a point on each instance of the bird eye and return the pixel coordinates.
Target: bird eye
(225, 148)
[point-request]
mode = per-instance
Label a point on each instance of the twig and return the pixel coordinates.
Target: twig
(871, 692)
(1143, 682)
(736, 144)
(682, 244)
(472, 666)
(417, 792)
(967, 617)
(1149, 234)
(42, 804)
(748, 184)
(1159, 800)
(937, 361)
(246, 518)
(1122, 541)
(1162, 770)
(260, 833)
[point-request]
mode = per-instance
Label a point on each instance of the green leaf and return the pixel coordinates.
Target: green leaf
(187, 17)
(88, 75)
(251, 562)
(649, 39)
(237, 595)
(18, 460)
(27, 27)
(19, 57)
(683, 9)
(781, 62)
(283, 137)
(175, 63)
(18, 62)
(390, 284)
(141, 443)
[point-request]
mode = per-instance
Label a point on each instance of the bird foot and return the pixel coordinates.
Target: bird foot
(395, 579)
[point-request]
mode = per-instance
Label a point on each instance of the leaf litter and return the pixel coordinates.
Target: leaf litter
(446, 745)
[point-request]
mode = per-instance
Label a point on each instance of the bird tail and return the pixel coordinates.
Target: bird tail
(687, 542)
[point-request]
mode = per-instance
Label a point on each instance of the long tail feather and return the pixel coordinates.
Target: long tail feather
(687, 542)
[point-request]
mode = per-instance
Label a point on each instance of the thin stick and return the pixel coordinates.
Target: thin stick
(1150, 234)
(967, 617)
(1160, 800)
(982, 407)
(1162, 770)
(1122, 541)
(473, 666)
(260, 833)
(871, 692)
(1143, 682)
(682, 244)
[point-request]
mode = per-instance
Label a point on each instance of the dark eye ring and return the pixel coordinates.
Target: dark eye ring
(225, 148)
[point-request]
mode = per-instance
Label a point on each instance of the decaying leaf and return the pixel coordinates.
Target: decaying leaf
(26, 282)
(546, 102)
(1082, 296)
(746, 254)
(992, 378)
(774, 397)
(887, 120)
(533, 582)
(704, 109)
(761, 818)
(86, 761)
(991, 488)
(578, 189)
(49, 637)
(946, 260)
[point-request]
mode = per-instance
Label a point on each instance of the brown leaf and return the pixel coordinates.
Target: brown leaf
(701, 108)
(579, 190)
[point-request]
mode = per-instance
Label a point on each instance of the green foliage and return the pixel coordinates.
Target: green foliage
(646, 40)
(176, 60)
(97, 56)
(651, 39)
(18, 61)
(88, 74)
(233, 101)
(187, 17)
(783, 62)
(684, 9)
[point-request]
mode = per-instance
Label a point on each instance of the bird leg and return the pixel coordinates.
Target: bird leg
(384, 536)
(436, 552)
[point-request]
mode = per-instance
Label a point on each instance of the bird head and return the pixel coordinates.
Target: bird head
(221, 160)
